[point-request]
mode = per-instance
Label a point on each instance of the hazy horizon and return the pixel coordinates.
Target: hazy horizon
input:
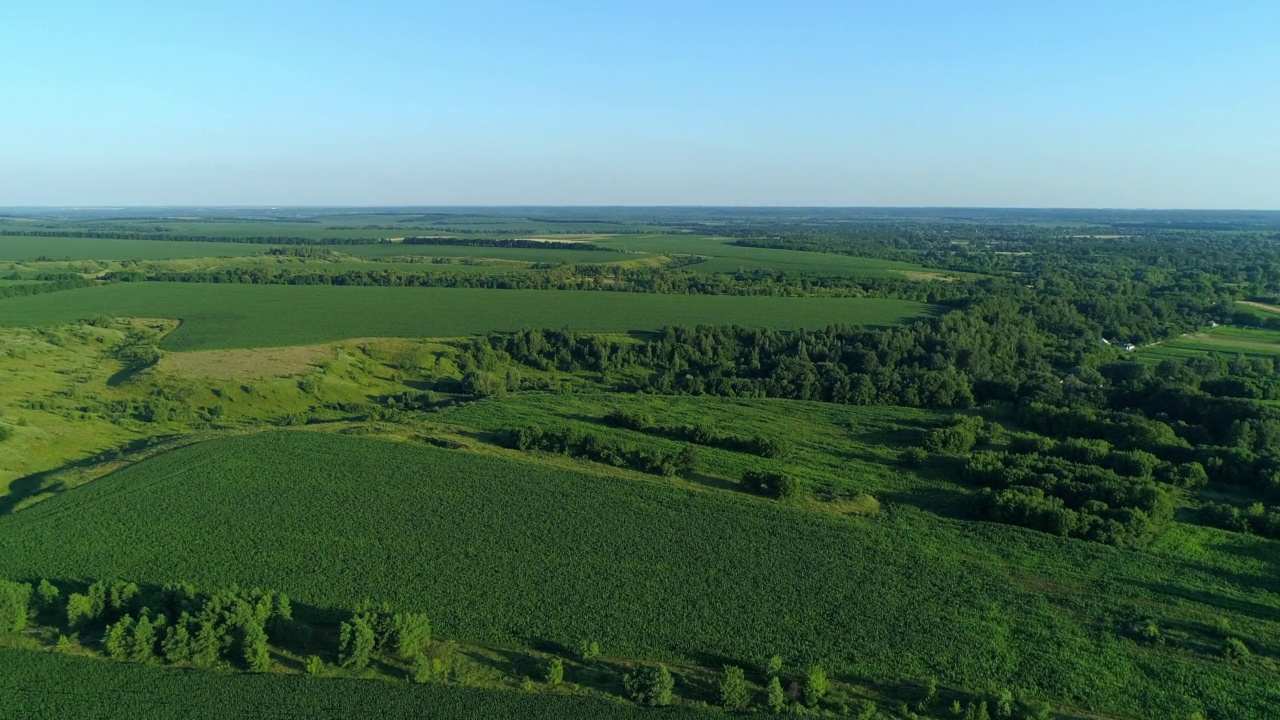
(1088, 105)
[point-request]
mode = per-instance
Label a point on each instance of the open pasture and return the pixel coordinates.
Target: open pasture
(222, 316)
(512, 552)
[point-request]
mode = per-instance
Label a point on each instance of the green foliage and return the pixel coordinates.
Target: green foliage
(775, 698)
(355, 643)
(734, 694)
(142, 643)
(650, 685)
(176, 645)
(1234, 650)
(315, 665)
(863, 710)
(257, 657)
(588, 650)
(411, 634)
(773, 665)
(815, 685)
(46, 596)
(555, 671)
(15, 602)
(117, 640)
(772, 484)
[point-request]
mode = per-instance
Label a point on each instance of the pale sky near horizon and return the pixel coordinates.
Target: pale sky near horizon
(1171, 104)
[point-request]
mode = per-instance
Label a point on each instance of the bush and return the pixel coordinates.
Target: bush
(555, 671)
(913, 456)
(1234, 650)
(422, 670)
(650, 685)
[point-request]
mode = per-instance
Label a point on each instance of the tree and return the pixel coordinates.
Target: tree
(555, 671)
(355, 643)
(15, 599)
(116, 640)
(46, 596)
(315, 665)
(864, 710)
(411, 634)
(775, 698)
(421, 670)
(734, 694)
(207, 645)
(650, 685)
(257, 657)
(79, 611)
(176, 646)
(815, 685)
(142, 646)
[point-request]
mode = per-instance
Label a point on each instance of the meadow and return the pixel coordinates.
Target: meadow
(218, 316)
(509, 551)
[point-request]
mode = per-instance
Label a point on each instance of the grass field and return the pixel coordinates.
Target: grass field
(30, 248)
(1226, 339)
(48, 685)
(228, 316)
(514, 552)
(726, 257)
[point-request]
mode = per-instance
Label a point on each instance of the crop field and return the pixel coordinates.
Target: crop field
(35, 685)
(551, 255)
(221, 316)
(512, 552)
(1225, 339)
(726, 257)
(71, 248)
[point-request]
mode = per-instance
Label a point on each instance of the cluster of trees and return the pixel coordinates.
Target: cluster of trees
(601, 449)
(1256, 518)
(180, 626)
(47, 286)
(377, 629)
(699, 434)
(772, 484)
(1080, 489)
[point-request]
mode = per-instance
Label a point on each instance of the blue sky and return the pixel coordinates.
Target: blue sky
(1080, 104)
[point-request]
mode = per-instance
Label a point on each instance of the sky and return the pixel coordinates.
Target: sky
(1160, 104)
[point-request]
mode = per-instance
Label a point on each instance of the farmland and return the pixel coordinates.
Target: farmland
(894, 449)
(33, 684)
(656, 551)
(227, 316)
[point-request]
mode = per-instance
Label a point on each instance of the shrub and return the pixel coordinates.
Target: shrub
(555, 671)
(650, 685)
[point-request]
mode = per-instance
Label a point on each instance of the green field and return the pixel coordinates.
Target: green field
(512, 552)
(54, 248)
(1226, 339)
(218, 316)
(726, 257)
(549, 255)
(48, 685)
